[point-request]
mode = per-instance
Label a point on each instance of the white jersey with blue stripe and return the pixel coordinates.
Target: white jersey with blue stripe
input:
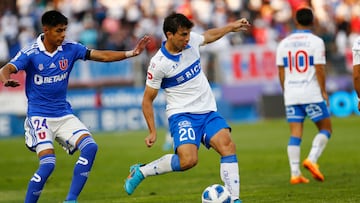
(298, 53)
(47, 76)
(356, 51)
(185, 84)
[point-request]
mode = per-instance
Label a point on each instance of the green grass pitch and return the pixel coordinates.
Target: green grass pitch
(261, 149)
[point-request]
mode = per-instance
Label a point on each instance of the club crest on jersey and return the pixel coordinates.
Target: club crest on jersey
(63, 63)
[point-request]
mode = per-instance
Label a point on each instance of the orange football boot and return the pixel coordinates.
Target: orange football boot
(314, 169)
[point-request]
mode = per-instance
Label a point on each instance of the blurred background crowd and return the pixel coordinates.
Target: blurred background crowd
(240, 66)
(117, 24)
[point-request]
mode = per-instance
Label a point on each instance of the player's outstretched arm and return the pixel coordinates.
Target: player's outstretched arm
(5, 73)
(214, 34)
(109, 56)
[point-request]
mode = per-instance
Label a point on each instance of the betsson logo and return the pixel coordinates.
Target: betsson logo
(39, 80)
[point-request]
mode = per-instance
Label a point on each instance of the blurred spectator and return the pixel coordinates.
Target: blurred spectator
(4, 53)
(89, 35)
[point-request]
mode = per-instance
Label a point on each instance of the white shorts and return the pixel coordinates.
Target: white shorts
(40, 132)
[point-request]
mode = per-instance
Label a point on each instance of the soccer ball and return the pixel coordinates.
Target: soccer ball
(216, 193)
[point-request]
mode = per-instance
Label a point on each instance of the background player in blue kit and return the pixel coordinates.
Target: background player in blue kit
(48, 63)
(301, 60)
(191, 107)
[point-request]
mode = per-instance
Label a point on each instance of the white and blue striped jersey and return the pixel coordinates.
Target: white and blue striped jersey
(47, 76)
(298, 53)
(185, 85)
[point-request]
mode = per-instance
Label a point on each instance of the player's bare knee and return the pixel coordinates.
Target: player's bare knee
(227, 149)
(188, 163)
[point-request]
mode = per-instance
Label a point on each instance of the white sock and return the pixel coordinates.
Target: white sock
(318, 146)
(294, 159)
(229, 173)
(157, 167)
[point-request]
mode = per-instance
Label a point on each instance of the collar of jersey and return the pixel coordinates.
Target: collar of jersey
(171, 56)
(302, 31)
(42, 46)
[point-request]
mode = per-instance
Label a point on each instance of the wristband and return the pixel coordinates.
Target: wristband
(129, 54)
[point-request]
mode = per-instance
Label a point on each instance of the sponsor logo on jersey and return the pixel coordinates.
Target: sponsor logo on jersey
(185, 75)
(193, 71)
(39, 79)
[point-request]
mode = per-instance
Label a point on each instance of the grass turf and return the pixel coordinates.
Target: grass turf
(261, 149)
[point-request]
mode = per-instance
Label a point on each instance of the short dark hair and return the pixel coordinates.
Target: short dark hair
(174, 21)
(304, 16)
(53, 18)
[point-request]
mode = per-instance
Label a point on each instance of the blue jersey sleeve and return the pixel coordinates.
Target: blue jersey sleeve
(20, 61)
(80, 51)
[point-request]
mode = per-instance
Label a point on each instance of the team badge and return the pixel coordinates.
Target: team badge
(63, 63)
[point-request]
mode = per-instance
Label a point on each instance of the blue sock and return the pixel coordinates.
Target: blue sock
(296, 141)
(325, 132)
(37, 182)
(88, 149)
(175, 163)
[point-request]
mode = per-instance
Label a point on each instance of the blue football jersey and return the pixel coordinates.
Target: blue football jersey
(47, 76)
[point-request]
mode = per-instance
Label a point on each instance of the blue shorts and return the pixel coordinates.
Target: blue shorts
(315, 111)
(187, 128)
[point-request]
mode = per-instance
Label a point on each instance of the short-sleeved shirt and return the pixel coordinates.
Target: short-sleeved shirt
(356, 51)
(185, 85)
(47, 76)
(298, 53)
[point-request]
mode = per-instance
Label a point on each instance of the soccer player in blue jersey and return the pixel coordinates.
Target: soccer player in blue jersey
(301, 61)
(191, 107)
(48, 63)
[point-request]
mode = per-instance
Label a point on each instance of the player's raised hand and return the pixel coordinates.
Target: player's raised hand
(11, 83)
(241, 25)
(140, 46)
(150, 140)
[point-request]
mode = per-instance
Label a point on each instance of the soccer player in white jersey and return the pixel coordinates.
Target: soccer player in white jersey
(356, 68)
(300, 58)
(191, 107)
(48, 63)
